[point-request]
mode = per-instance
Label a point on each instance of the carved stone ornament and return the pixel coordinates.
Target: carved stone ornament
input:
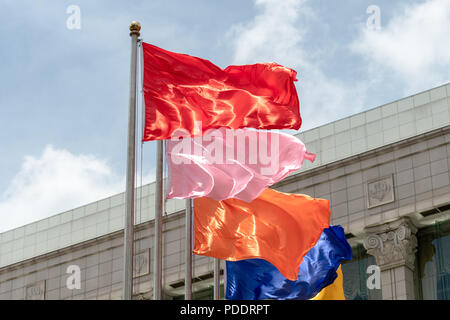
(144, 296)
(35, 291)
(380, 191)
(392, 244)
(142, 263)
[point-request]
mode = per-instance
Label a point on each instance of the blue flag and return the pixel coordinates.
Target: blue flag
(257, 279)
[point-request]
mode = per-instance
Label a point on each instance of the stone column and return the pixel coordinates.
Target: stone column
(394, 245)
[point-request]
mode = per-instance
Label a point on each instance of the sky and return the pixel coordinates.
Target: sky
(64, 77)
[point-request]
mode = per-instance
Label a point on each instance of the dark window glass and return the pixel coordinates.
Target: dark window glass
(355, 276)
(434, 261)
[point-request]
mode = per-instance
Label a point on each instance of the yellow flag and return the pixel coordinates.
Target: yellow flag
(334, 291)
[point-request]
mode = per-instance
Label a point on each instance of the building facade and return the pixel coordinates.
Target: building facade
(385, 172)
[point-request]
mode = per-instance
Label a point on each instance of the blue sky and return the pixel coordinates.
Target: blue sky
(64, 93)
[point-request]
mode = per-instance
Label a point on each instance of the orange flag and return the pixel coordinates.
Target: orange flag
(278, 227)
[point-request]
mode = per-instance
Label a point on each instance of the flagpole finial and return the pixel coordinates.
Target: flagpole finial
(135, 27)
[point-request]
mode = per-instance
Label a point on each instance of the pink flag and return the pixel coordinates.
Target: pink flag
(227, 163)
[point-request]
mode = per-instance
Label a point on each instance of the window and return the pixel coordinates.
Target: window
(355, 276)
(433, 257)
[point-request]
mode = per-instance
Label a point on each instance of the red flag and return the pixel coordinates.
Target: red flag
(180, 90)
(278, 227)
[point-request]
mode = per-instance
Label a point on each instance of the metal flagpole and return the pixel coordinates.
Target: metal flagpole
(188, 252)
(216, 279)
(225, 280)
(159, 205)
(135, 27)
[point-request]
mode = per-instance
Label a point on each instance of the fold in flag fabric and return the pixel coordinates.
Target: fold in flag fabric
(227, 163)
(181, 90)
(278, 227)
(334, 291)
(257, 279)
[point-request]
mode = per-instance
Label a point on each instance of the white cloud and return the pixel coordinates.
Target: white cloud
(413, 45)
(271, 35)
(278, 34)
(54, 182)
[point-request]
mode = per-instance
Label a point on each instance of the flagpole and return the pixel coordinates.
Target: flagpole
(135, 27)
(159, 205)
(216, 279)
(188, 252)
(225, 281)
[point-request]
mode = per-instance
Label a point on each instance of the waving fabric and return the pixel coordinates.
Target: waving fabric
(257, 279)
(278, 227)
(181, 91)
(228, 163)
